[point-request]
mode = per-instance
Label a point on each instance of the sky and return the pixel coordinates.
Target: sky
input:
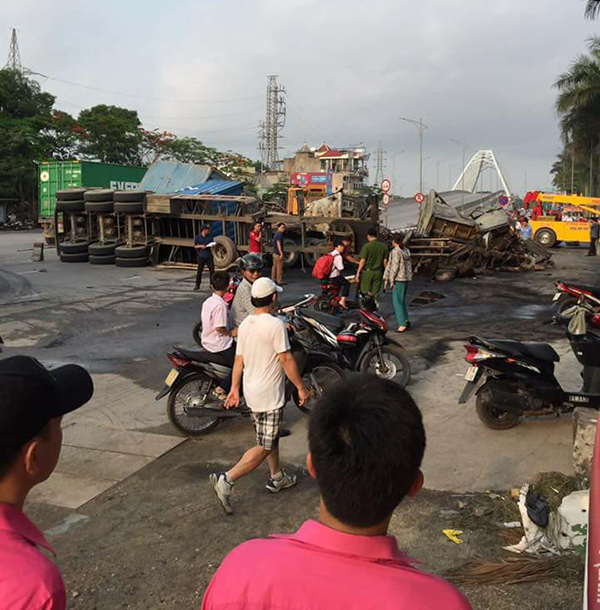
(475, 71)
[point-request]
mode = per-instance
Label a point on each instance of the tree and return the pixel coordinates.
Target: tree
(64, 135)
(592, 9)
(111, 135)
(564, 168)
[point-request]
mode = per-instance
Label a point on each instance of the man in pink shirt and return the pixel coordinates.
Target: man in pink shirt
(32, 403)
(366, 442)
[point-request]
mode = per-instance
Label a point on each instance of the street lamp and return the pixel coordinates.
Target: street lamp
(421, 127)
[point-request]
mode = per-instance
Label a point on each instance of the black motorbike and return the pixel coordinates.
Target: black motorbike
(358, 341)
(512, 379)
(193, 410)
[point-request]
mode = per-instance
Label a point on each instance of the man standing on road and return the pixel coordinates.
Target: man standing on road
(32, 404)
(264, 356)
(366, 442)
(594, 234)
(203, 254)
(277, 270)
(373, 259)
(525, 230)
(251, 266)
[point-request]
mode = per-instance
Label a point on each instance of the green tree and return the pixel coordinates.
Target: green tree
(111, 135)
(592, 9)
(563, 169)
(64, 135)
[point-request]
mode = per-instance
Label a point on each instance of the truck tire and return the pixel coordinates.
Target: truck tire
(106, 249)
(290, 258)
(107, 259)
(99, 206)
(99, 195)
(545, 237)
(131, 262)
(133, 252)
(70, 194)
(74, 258)
(312, 257)
(224, 253)
(131, 207)
(128, 196)
(70, 206)
(77, 248)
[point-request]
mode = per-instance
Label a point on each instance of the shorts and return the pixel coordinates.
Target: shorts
(267, 425)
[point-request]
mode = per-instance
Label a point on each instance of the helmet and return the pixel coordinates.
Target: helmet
(251, 262)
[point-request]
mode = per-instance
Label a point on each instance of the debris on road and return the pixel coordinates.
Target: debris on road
(453, 535)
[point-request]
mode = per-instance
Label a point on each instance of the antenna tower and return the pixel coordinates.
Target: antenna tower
(14, 57)
(380, 159)
(270, 128)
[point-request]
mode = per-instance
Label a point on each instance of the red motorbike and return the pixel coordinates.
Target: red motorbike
(569, 293)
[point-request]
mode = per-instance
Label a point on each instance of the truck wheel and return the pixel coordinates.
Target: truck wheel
(129, 196)
(74, 258)
(99, 206)
(77, 248)
(290, 258)
(132, 207)
(312, 257)
(133, 252)
(70, 194)
(491, 416)
(131, 262)
(107, 259)
(98, 249)
(99, 195)
(224, 253)
(70, 206)
(545, 237)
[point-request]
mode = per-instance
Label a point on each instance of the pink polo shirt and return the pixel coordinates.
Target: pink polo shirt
(318, 567)
(28, 579)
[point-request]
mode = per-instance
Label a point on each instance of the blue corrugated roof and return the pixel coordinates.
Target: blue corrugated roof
(165, 177)
(214, 187)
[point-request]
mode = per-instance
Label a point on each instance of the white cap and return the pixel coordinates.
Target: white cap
(263, 287)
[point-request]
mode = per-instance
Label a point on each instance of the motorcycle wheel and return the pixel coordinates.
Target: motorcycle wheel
(396, 366)
(189, 393)
(323, 306)
(317, 380)
(197, 332)
(491, 416)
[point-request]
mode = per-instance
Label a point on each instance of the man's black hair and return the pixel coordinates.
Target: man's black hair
(219, 280)
(205, 228)
(280, 224)
(10, 450)
(367, 442)
(263, 301)
(398, 238)
(372, 232)
(338, 242)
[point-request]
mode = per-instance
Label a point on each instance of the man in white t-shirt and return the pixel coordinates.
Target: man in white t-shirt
(336, 276)
(264, 356)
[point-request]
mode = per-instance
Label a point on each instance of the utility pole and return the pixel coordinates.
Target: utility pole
(591, 169)
(572, 172)
(14, 57)
(394, 191)
(421, 127)
(380, 159)
(270, 128)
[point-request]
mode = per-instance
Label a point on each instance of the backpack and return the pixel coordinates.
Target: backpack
(323, 267)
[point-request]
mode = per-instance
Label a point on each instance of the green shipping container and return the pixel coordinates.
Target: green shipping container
(57, 175)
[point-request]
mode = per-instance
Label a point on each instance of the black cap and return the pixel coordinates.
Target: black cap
(31, 395)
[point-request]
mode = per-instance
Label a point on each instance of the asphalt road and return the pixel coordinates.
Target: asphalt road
(123, 461)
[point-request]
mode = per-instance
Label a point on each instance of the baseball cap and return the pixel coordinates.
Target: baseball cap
(263, 287)
(31, 395)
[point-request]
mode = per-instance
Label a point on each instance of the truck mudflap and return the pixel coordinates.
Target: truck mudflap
(475, 381)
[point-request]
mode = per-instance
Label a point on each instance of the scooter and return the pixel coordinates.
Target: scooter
(513, 380)
(568, 293)
(191, 407)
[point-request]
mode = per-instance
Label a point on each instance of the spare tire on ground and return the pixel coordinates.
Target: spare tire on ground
(70, 206)
(70, 194)
(74, 258)
(132, 207)
(125, 196)
(133, 252)
(132, 262)
(105, 249)
(99, 206)
(74, 248)
(290, 258)
(99, 195)
(102, 260)
(224, 253)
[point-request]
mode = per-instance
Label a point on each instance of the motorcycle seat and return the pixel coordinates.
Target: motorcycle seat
(537, 351)
(328, 320)
(595, 290)
(198, 354)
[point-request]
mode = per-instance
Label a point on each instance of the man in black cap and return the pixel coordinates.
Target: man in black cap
(32, 403)
(204, 255)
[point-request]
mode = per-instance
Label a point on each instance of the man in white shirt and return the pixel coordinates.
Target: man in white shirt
(336, 276)
(264, 356)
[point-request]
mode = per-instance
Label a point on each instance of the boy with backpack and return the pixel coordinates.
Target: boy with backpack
(331, 266)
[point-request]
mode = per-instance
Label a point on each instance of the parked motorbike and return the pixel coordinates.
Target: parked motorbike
(568, 293)
(359, 344)
(195, 373)
(329, 299)
(512, 379)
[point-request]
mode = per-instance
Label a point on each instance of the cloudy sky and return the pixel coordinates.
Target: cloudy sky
(476, 71)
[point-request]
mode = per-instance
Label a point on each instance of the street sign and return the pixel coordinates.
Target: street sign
(419, 198)
(386, 185)
(386, 199)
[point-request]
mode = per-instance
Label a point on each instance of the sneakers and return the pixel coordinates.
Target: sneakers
(222, 488)
(286, 480)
